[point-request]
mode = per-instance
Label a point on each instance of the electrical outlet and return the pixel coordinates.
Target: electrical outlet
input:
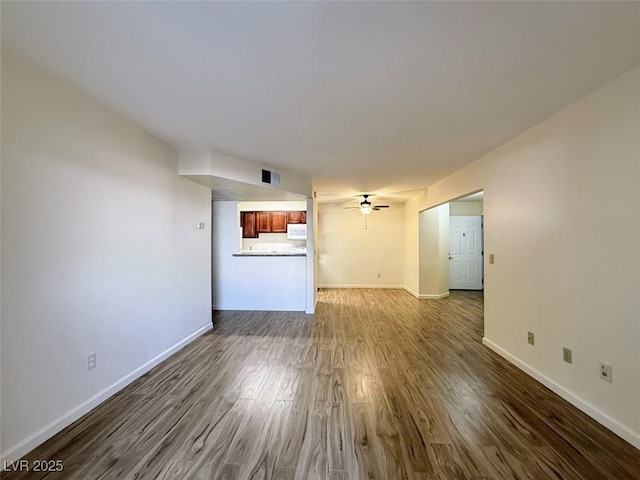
(91, 361)
(530, 338)
(566, 355)
(492, 258)
(606, 372)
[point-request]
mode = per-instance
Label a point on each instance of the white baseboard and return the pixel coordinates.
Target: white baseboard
(357, 285)
(434, 297)
(427, 297)
(311, 310)
(616, 427)
(254, 308)
(25, 446)
(408, 290)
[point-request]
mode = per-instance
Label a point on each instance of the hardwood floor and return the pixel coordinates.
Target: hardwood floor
(376, 385)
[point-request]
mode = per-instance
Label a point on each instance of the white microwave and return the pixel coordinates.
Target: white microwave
(297, 231)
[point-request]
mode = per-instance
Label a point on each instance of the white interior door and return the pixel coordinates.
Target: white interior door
(465, 253)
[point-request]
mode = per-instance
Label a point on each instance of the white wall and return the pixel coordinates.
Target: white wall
(312, 255)
(352, 256)
(269, 242)
(252, 283)
(274, 206)
(204, 165)
(561, 216)
(411, 245)
(465, 208)
(100, 254)
(434, 252)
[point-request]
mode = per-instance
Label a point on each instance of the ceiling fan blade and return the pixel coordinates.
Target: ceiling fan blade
(350, 208)
(378, 207)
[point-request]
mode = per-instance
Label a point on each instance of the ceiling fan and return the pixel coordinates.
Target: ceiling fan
(366, 207)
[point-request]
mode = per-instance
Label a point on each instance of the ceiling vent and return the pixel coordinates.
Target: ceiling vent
(270, 178)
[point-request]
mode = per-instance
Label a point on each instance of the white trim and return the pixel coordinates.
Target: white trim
(434, 297)
(32, 441)
(425, 296)
(312, 309)
(245, 309)
(415, 294)
(615, 426)
(357, 285)
(315, 303)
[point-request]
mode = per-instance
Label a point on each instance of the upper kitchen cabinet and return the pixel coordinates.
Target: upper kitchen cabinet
(263, 220)
(272, 222)
(296, 217)
(248, 224)
(278, 222)
(254, 223)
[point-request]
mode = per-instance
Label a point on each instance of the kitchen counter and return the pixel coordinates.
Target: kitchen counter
(269, 254)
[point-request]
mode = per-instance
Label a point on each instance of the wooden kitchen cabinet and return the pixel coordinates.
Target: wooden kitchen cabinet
(248, 224)
(278, 222)
(263, 220)
(254, 223)
(296, 217)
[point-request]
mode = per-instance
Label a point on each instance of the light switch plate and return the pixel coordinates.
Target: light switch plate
(91, 361)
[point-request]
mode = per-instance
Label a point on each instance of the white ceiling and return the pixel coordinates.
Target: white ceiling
(362, 96)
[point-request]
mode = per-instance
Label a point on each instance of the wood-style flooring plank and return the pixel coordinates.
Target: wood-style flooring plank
(341, 454)
(368, 451)
(261, 460)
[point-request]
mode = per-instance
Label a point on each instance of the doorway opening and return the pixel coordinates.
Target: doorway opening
(466, 243)
(451, 250)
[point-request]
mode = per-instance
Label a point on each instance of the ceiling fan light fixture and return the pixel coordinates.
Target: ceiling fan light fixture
(365, 209)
